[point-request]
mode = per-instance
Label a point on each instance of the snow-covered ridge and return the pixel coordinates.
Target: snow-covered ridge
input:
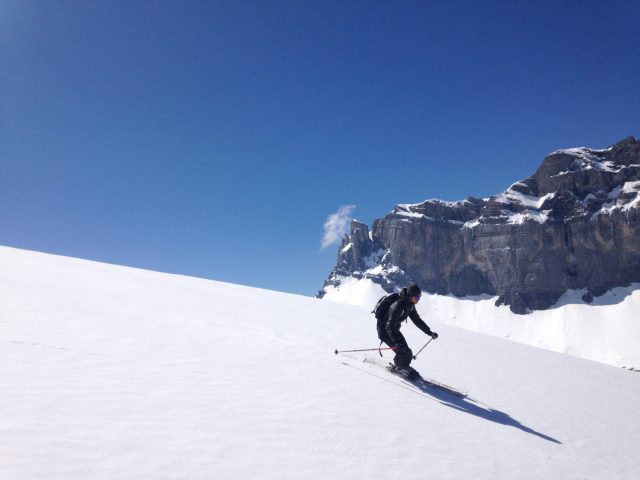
(520, 207)
(588, 159)
(531, 210)
(615, 202)
(410, 206)
(532, 206)
(521, 217)
(405, 211)
(582, 151)
(513, 196)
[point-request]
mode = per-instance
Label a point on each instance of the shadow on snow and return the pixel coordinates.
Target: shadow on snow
(469, 406)
(466, 405)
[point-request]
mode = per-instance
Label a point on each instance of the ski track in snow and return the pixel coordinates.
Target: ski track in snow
(109, 372)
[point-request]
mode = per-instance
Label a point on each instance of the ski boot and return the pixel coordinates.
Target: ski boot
(407, 372)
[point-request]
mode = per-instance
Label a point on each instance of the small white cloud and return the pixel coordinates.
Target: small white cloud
(336, 226)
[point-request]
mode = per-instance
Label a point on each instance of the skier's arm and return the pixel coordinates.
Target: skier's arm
(415, 318)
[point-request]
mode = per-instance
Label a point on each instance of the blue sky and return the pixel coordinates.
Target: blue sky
(215, 138)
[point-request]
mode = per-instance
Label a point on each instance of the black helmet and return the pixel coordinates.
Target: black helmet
(413, 291)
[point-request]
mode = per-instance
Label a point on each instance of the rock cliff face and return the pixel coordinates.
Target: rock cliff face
(574, 224)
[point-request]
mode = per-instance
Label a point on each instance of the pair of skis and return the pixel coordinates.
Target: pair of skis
(422, 383)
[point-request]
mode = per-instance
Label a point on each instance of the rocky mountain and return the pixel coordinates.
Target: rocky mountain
(574, 224)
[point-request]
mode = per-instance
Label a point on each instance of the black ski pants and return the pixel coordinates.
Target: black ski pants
(403, 352)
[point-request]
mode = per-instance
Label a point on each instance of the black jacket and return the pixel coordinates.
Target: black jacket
(398, 312)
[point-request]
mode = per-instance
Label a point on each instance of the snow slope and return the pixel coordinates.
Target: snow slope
(355, 291)
(606, 331)
(109, 372)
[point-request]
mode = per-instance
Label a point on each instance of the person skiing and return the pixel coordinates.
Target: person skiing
(389, 329)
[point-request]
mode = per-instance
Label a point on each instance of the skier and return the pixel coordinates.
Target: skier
(389, 329)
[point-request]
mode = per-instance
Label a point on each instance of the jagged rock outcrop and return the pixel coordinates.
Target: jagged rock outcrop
(574, 224)
(360, 256)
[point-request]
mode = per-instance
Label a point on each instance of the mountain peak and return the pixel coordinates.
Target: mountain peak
(574, 224)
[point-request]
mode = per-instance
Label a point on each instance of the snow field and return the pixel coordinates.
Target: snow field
(110, 372)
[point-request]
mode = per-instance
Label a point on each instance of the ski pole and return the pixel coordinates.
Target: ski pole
(364, 350)
(416, 355)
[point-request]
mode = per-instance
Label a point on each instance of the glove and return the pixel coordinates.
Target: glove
(434, 335)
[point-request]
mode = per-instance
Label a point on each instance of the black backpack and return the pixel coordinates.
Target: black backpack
(381, 310)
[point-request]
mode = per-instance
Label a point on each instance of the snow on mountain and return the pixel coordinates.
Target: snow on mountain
(111, 372)
(586, 159)
(361, 292)
(514, 196)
